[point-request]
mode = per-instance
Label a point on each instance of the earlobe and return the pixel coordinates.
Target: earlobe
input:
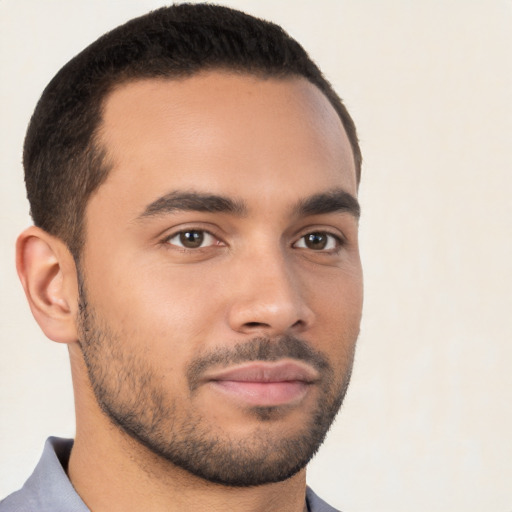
(48, 274)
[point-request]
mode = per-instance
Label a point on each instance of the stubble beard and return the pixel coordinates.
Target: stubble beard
(130, 393)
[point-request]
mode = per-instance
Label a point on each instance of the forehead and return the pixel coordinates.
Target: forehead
(224, 133)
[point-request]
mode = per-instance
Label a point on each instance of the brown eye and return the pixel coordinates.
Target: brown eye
(318, 241)
(192, 239)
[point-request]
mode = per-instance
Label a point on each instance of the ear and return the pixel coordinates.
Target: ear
(48, 274)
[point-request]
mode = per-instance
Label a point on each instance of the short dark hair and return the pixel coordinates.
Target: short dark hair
(63, 159)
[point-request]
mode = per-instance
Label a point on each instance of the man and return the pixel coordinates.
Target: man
(192, 179)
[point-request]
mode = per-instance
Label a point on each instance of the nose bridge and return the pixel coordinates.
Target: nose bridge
(270, 296)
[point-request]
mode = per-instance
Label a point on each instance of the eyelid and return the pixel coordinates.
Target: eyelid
(339, 240)
(166, 240)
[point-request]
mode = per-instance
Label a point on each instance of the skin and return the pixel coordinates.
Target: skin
(264, 144)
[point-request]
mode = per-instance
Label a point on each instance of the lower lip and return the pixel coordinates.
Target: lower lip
(263, 394)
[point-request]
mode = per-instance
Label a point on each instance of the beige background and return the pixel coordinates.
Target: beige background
(427, 424)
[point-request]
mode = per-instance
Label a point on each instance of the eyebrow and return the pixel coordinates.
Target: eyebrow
(334, 201)
(193, 201)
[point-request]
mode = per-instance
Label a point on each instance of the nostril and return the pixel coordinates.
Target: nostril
(256, 324)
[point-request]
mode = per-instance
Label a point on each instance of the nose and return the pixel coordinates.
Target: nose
(269, 297)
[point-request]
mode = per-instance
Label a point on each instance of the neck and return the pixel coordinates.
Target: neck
(115, 475)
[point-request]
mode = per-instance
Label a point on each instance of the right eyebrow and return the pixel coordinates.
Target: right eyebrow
(193, 201)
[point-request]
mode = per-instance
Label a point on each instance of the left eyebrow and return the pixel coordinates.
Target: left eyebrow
(337, 200)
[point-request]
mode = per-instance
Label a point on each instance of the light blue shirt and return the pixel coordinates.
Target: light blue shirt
(48, 489)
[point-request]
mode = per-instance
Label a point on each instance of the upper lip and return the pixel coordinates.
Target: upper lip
(266, 371)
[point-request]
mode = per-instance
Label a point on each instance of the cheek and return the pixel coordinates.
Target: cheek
(181, 300)
(168, 308)
(338, 302)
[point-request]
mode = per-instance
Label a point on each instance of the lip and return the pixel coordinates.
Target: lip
(265, 383)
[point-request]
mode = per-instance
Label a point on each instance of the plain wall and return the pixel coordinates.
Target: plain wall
(427, 422)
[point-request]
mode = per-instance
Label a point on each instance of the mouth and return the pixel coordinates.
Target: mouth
(265, 384)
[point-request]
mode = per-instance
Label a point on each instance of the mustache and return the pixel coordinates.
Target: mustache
(258, 349)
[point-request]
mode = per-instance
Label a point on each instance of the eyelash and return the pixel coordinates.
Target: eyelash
(333, 239)
(203, 232)
(337, 240)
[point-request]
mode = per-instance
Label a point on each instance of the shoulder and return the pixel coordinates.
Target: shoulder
(48, 488)
(316, 504)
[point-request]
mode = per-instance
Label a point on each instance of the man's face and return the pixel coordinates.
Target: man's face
(222, 286)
